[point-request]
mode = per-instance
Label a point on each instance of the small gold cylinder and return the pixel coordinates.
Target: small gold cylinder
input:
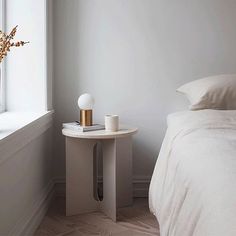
(86, 117)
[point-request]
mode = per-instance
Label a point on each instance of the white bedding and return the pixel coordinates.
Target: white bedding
(193, 188)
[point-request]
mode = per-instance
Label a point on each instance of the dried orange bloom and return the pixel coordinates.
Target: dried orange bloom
(6, 43)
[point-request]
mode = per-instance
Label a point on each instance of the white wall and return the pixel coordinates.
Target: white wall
(26, 66)
(132, 55)
(24, 179)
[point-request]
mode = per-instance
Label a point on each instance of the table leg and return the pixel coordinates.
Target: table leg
(117, 175)
(124, 171)
(79, 176)
(108, 204)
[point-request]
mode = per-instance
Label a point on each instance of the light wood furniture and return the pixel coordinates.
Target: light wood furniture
(80, 171)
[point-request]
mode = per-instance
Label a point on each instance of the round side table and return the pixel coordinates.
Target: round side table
(80, 170)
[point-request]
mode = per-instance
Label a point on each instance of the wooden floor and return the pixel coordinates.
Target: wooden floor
(132, 221)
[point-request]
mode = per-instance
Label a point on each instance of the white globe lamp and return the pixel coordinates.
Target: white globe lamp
(86, 103)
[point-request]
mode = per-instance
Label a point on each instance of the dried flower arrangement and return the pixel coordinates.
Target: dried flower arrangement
(6, 43)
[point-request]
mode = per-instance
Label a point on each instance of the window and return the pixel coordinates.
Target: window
(2, 66)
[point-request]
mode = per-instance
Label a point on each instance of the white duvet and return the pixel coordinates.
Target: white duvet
(193, 188)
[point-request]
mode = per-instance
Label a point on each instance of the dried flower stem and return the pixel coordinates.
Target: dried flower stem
(6, 43)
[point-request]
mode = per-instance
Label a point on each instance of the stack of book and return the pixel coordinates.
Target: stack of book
(77, 127)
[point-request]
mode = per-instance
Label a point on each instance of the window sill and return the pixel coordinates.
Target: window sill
(17, 129)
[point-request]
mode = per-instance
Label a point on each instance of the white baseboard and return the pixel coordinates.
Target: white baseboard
(60, 186)
(33, 216)
(140, 186)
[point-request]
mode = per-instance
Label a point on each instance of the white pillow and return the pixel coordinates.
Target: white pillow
(214, 92)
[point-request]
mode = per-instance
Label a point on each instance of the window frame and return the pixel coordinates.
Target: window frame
(2, 65)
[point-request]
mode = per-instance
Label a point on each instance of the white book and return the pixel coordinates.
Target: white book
(77, 127)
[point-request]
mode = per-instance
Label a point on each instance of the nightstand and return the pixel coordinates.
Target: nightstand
(81, 171)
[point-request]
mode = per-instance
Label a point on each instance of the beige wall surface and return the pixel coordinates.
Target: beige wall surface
(132, 55)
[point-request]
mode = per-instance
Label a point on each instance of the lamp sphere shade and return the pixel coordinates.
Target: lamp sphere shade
(86, 102)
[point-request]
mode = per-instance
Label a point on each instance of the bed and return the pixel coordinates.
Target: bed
(193, 187)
